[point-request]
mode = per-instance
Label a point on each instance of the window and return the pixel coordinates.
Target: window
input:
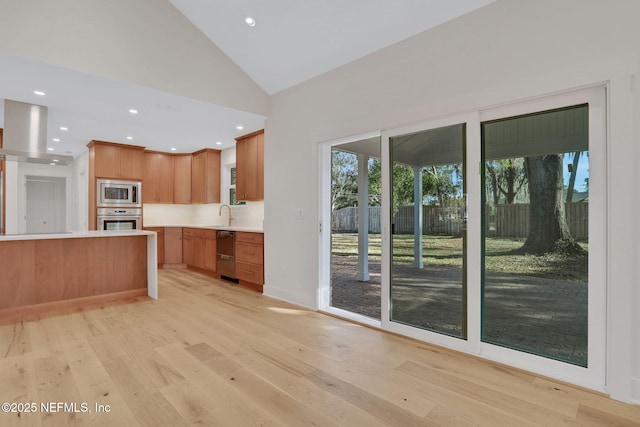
(232, 186)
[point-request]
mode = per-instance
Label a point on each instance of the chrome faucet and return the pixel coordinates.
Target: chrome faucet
(230, 216)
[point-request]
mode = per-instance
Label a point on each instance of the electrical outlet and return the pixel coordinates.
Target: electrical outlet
(298, 213)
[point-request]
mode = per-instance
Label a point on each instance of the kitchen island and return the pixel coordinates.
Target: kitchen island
(43, 272)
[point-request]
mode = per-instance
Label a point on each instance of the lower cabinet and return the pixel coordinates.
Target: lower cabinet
(169, 246)
(250, 259)
(160, 232)
(196, 248)
(173, 245)
(188, 246)
(199, 248)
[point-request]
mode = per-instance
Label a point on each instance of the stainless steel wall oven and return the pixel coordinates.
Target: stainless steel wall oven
(119, 219)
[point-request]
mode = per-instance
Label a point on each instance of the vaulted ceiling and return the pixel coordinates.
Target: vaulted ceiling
(292, 41)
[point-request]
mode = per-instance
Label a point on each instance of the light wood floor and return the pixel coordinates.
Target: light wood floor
(212, 354)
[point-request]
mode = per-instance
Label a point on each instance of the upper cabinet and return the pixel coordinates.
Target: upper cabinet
(205, 176)
(166, 177)
(1, 163)
(158, 177)
(117, 161)
(250, 167)
(182, 178)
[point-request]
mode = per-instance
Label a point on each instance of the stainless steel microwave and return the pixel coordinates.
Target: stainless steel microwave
(112, 193)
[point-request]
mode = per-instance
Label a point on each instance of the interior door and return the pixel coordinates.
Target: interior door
(42, 206)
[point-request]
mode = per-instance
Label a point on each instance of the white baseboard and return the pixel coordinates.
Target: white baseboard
(300, 299)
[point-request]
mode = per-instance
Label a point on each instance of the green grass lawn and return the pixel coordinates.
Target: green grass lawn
(446, 251)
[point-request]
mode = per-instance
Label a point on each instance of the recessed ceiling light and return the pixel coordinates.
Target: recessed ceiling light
(218, 143)
(56, 139)
(133, 111)
(56, 160)
(173, 148)
(250, 21)
(39, 93)
(239, 127)
(64, 128)
(129, 138)
(52, 164)
(50, 148)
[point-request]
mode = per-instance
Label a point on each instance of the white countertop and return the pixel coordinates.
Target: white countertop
(74, 235)
(212, 227)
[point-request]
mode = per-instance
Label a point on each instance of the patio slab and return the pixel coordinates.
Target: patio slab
(540, 316)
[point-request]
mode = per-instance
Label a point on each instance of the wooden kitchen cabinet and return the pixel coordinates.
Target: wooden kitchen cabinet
(108, 160)
(250, 259)
(199, 248)
(160, 239)
(169, 246)
(182, 178)
(1, 161)
(210, 251)
(205, 176)
(158, 177)
(116, 161)
(188, 246)
(250, 167)
(173, 246)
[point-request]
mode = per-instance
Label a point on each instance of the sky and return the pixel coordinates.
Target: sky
(583, 170)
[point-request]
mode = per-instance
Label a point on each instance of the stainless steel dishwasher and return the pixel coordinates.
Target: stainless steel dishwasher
(226, 253)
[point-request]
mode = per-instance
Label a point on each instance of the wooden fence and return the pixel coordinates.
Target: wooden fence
(500, 220)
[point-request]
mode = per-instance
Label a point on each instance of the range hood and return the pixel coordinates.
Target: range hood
(25, 135)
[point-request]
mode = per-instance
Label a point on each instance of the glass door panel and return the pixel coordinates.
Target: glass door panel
(428, 242)
(535, 233)
(356, 227)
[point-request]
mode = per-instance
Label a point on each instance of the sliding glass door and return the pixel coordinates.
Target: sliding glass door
(352, 214)
(536, 233)
(428, 242)
(492, 236)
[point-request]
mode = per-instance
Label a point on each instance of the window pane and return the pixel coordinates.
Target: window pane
(535, 233)
(355, 229)
(428, 278)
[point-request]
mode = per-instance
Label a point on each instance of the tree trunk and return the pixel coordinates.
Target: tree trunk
(495, 193)
(548, 230)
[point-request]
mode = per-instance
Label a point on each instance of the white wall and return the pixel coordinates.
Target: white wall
(145, 42)
(508, 51)
(635, 253)
(16, 202)
(80, 211)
